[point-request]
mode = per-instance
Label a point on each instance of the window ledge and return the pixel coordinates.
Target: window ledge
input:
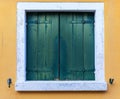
(61, 86)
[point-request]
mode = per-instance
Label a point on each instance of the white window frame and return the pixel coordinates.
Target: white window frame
(98, 84)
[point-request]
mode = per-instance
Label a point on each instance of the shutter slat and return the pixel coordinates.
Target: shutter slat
(31, 46)
(89, 48)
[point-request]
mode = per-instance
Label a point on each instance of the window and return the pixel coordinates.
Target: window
(60, 47)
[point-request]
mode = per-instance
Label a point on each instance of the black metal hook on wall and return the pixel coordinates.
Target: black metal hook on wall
(111, 80)
(9, 82)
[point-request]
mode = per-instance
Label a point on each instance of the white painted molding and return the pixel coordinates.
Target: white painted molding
(98, 84)
(61, 86)
(32, 6)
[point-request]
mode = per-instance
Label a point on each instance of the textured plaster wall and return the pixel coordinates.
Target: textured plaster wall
(8, 53)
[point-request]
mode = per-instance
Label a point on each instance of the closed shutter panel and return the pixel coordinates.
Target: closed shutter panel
(45, 42)
(89, 46)
(71, 46)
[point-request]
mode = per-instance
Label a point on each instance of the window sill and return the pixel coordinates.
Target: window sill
(61, 86)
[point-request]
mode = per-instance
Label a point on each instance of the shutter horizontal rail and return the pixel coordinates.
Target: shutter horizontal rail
(40, 22)
(79, 70)
(37, 70)
(82, 22)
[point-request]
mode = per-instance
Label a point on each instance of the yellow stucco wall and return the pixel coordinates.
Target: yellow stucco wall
(8, 53)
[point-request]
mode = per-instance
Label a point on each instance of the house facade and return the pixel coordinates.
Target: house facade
(59, 49)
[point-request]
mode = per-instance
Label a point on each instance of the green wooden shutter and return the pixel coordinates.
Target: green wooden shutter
(77, 46)
(71, 46)
(44, 40)
(89, 46)
(60, 46)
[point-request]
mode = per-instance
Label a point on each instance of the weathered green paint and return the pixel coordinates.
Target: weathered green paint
(32, 46)
(71, 47)
(60, 46)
